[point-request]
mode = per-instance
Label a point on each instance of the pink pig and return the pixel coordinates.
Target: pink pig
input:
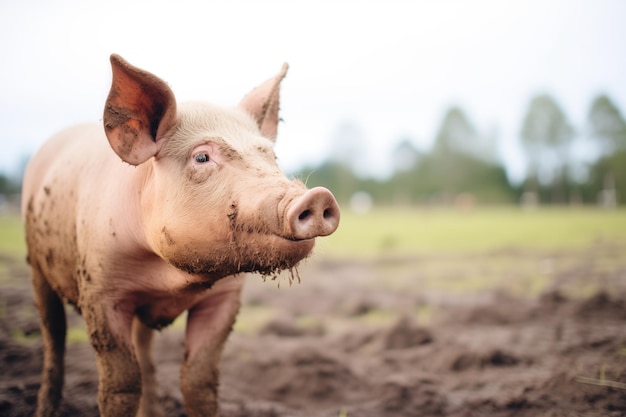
(196, 199)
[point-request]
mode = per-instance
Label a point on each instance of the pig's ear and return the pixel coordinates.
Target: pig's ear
(263, 103)
(140, 109)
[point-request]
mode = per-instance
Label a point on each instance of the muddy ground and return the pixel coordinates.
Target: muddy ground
(506, 333)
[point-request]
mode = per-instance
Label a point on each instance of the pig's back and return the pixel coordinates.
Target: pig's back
(61, 158)
(52, 185)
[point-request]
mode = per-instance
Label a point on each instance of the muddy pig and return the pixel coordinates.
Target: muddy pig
(196, 200)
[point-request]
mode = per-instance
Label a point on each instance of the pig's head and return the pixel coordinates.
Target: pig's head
(213, 200)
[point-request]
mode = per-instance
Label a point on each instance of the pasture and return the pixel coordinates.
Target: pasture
(402, 312)
(433, 231)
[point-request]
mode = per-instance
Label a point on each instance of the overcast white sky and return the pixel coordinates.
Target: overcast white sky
(392, 68)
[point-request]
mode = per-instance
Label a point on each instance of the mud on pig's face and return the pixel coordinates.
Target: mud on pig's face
(229, 208)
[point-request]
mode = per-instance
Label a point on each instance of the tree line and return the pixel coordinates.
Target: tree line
(464, 166)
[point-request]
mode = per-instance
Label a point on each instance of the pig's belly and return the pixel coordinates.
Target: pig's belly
(157, 309)
(157, 312)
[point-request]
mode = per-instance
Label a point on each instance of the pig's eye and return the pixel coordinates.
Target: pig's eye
(202, 158)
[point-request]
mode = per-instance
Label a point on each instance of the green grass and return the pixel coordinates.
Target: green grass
(411, 231)
(253, 318)
(77, 334)
(12, 236)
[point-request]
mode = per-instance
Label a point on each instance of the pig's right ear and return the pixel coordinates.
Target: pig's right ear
(140, 109)
(263, 104)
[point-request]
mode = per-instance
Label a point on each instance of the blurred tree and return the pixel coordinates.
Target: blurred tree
(608, 128)
(607, 125)
(8, 186)
(546, 136)
(405, 158)
(607, 180)
(455, 132)
(461, 162)
(452, 141)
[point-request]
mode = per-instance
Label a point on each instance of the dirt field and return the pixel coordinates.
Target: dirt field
(507, 333)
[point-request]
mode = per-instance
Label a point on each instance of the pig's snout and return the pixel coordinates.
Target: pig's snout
(315, 213)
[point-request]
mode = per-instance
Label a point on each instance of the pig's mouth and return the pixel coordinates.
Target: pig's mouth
(264, 253)
(280, 247)
(295, 239)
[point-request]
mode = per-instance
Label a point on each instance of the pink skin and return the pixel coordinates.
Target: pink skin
(196, 200)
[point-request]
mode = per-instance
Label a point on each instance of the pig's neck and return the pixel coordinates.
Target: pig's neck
(137, 210)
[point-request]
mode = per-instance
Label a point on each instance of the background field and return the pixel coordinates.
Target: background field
(11, 235)
(402, 312)
(431, 231)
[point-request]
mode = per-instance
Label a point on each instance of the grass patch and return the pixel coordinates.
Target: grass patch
(252, 318)
(530, 286)
(12, 236)
(25, 339)
(379, 317)
(77, 334)
(5, 275)
(581, 290)
(309, 322)
(396, 231)
(424, 314)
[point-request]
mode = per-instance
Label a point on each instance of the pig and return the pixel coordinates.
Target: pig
(157, 211)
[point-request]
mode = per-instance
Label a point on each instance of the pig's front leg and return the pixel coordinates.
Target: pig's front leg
(142, 341)
(119, 384)
(208, 325)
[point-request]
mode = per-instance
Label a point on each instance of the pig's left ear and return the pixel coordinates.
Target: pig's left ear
(140, 109)
(263, 103)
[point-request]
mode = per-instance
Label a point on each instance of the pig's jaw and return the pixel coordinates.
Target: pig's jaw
(265, 254)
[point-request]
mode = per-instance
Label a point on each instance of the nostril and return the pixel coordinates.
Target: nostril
(304, 214)
(313, 214)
